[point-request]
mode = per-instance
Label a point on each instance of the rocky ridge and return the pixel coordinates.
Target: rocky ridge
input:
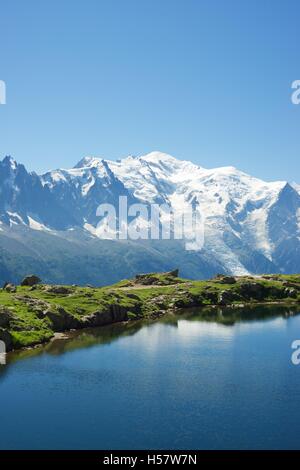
(32, 314)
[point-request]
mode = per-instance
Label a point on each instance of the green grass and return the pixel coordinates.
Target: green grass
(29, 326)
(30, 338)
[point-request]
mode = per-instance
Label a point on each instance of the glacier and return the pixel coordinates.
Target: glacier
(251, 226)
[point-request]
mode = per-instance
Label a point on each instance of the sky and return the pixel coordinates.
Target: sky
(204, 80)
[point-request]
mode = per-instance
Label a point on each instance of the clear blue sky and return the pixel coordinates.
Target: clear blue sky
(204, 80)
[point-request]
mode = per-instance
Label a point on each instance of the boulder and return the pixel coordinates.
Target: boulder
(174, 273)
(9, 287)
(30, 280)
(222, 279)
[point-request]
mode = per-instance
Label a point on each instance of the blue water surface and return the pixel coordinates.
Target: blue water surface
(180, 383)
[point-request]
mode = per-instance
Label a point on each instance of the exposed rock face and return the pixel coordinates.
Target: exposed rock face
(227, 297)
(59, 290)
(252, 290)
(38, 306)
(225, 279)
(230, 199)
(115, 313)
(277, 293)
(5, 317)
(30, 280)
(6, 337)
(211, 296)
(69, 308)
(186, 299)
(62, 320)
(174, 273)
(146, 279)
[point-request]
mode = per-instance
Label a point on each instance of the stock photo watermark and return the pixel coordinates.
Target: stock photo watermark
(2, 92)
(295, 358)
(151, 222)
(295, 96)
(2, 353)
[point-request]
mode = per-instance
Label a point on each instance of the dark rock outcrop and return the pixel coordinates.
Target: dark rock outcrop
(291, 292)
(115, 313)
(30, 280)
(6, 337)
(174, 273)
(157, 278)
(222, 279)
(294, 285)
(59, 290)
(62, 320)
(5, 317)
(9, 287)
(252, 290)
(227, 297)
(146, 279)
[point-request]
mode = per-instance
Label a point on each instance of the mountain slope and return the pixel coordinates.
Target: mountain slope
(250, 226)
(25, 200)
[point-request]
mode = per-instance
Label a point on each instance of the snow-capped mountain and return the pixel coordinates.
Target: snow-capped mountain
(296, 186)
(251, 226)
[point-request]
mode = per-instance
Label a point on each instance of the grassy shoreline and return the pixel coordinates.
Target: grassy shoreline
(33, 315)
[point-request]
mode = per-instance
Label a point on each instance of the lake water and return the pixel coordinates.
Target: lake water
(192, 381)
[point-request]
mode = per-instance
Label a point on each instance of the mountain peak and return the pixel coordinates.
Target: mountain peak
(156, 157)
(88, 162)
(250, 225)
(9, 161)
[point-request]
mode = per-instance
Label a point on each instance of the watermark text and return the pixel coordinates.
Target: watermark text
(151, 222)
(2, 92)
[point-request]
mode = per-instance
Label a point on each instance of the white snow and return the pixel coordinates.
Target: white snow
(35, 225)
(221, 193)
(296, 186)
(87, 186)
(82, 175)
(15, 218)
(231, 202)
